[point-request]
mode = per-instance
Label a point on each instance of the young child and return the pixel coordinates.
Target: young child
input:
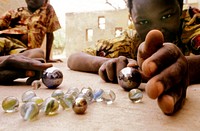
(26, 27)
(164, 36)
(21, 34)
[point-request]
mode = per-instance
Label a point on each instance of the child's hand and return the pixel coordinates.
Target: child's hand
(167, 70)
(19, 61)
(19, 66)
(109, 70)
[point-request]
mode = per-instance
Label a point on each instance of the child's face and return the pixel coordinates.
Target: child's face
(163, 15)
(34, 4)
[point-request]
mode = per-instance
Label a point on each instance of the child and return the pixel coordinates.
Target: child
(26, 27)
(163, 27)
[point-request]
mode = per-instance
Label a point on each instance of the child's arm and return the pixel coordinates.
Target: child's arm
(85, 62)
(194, 70)
(107, 68)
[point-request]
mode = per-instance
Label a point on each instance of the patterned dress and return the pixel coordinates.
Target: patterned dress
(127, 45)
(21, 22)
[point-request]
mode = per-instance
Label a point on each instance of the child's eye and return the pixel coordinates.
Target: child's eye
(143, 22)
(166, 16)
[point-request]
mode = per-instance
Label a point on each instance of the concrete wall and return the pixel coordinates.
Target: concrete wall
(77, 23)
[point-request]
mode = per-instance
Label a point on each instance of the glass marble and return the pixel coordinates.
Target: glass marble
(38, 100)
(50, 106)
(129, 78)
(29, 111)
(108, 96)
(135, 95)
(73, 91)
(36, 84)
(80, 105)
(10, 104)
(58, 94)
(52, 77)
(26, 96)
(87, 92)
(67, 101)
(98, 93)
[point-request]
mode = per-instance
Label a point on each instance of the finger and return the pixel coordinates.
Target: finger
(121, 63)
(169, 77)
(172, 100)
(102, 73)
(132, 63)
(166, 104)
(55, 61)
(111, 70)
(39, 66)
(154, 40)
(37, 76)
(164, 57)
(21, 62)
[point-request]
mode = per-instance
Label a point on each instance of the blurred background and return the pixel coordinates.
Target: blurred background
(85, 21)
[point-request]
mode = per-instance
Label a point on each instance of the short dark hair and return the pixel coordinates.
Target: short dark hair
(130, 4)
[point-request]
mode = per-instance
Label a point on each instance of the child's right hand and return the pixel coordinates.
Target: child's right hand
(167, 70)
(110, 69)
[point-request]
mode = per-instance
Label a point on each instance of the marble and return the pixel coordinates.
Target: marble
(57, 94)
(50, 106)
(73, 91)
(67, 101)
(52, 77)
(80, 105)
(36, 84)
(98, 93)
(135, 95)
(129, 78)
(26, 96)
(87, 92)
(38, 100)
(29, 111)
(108, 96)
(10, 104)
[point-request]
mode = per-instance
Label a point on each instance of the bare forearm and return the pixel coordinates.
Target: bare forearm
(85, 62)
(194, 70)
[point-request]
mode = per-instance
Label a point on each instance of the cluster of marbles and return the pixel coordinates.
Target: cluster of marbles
(75, 99)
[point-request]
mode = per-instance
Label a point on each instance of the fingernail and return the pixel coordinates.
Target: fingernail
(152, 67)
(160, 88)
(149, 68)
(154, 89)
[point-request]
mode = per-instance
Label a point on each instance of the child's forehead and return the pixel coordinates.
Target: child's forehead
(154, 2)
(144, 4)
